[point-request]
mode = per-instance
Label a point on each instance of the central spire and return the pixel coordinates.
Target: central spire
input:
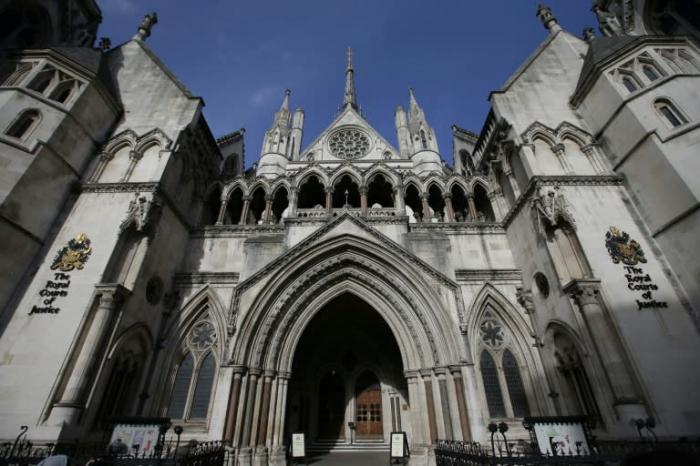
(350, 97)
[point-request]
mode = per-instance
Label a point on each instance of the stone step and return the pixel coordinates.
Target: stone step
(360, 445)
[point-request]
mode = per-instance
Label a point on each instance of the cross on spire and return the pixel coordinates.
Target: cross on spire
(350, 96)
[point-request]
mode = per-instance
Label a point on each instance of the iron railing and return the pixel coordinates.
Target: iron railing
(170, 453)
(680, 453)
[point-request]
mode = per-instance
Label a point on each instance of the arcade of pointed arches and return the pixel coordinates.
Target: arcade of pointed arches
(313, 194)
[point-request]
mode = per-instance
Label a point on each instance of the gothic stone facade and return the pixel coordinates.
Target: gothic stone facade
(551, 271)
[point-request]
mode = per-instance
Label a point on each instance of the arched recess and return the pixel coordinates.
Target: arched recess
(413, 203)
(436, 203)
(573, 373)
(280, 204)
(311, 193)
(123, 374)
(380, 191)
(279, 311)
(490, 305)
(186, 339)
(484, 209)
(346, 191)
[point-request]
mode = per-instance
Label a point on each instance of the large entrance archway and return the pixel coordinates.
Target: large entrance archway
(348, 382)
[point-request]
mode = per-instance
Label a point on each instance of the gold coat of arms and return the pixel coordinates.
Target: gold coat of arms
(74, 255)
(623, 249)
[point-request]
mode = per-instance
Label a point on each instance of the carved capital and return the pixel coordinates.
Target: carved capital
(112, 296)
(447, 195)
(584, 292)
(135, 156)
(559, 149)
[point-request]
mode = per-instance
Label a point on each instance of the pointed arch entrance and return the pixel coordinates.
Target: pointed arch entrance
(375, 280)
(347, 375)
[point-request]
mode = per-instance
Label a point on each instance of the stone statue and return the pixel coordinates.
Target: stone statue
(608, 22)
(553, 210)
(146, 25)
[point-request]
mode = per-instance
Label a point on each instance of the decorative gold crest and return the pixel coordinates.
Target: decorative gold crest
(622, 249)
(74, 255)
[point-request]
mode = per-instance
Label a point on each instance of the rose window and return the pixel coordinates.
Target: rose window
(202, 336)
(349, 143)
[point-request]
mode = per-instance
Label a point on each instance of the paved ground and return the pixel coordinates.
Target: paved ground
(351, 459)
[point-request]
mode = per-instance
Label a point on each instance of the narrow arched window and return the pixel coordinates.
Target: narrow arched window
(423, 140)
(24, 124)
(650, 72)
(43, 80)
(63, 92)
(630, 84)
(181, 388)
(202, 392)
(670, 113)
(492, 388)
(514, 383)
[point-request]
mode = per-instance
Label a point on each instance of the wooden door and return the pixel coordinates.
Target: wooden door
(368, 407)
(331, 408)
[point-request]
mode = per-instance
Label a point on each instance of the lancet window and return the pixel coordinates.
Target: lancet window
(193, 383)
(500, 372)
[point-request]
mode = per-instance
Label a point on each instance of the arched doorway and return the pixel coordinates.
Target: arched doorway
(347, 378)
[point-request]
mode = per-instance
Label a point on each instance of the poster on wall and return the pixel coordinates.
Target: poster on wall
(139, 437)
(560, 436)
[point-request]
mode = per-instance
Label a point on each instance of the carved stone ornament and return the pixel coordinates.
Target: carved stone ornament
(140, 212)
(525, 299)
(74, 255)
(552, 210)
(623, 249)
(349, 143)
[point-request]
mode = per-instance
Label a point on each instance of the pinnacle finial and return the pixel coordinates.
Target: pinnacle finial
(285, 100)
(544, 13)
(350, 96)
(146, 25)
(589, 34)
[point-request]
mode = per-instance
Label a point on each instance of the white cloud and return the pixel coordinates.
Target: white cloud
(264, 95)
(118, 6)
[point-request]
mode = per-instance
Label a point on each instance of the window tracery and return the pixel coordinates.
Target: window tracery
(194, 377)
(500, 371)
(349, 143)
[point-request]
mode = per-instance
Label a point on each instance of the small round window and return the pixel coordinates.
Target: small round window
(542, 284)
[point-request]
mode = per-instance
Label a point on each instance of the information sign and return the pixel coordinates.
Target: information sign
(298, 446)
(398, 446)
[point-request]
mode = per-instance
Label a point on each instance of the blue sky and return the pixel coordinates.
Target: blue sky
(240, 55)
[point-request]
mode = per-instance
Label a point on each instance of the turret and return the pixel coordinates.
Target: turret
(297, 134)
(422, 147)
(277, 145)
(402, 134)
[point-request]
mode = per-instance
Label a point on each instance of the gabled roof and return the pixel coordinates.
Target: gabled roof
(605, 50)
(349, 113)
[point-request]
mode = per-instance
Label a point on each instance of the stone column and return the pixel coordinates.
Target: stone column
(329, 201)
(595, 161)
(417, 413)
(293, 192)
(265, 406)
(134, 158)
(444, 402)
(426, 208)
(606, 340)
(222, 212)
(513, 183)
(399, 202)
(430, 405)
(88, 355)
(281, 409)
(456, 372)
(268, 208)
(249, 407)
(472, 207)
(450, 209)
(560, 151)
(363, 200)
(244, 210)
(234, 394)
(104, 157)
